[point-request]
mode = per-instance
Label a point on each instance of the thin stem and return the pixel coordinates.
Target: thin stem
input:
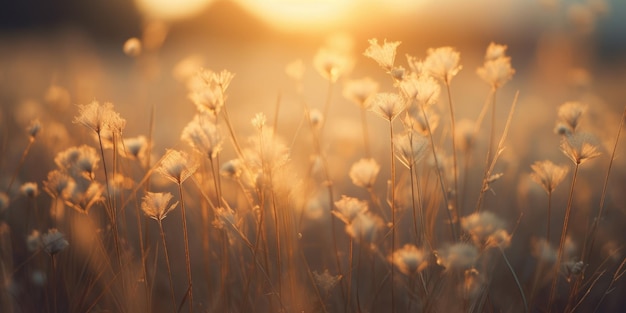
(186, 239)
(393, 214)
(455, 169)
(549, 214)
(497, 154)
(31, 140)
(557, 266)
(167, 262)
(112, 211)
(519, 286)
(592, 233)
(439, 174)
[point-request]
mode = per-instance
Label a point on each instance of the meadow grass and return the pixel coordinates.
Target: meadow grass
(418, 219)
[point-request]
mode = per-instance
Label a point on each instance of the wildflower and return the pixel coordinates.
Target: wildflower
(98, 117)
(58, 184)
(53, 241)
(331, 64)
(410, 147)
(496, 72)
(423, 89)
(119, 183)
(363, 173)
(177, 166)
(78, 161)
(156, 205)
(359, 90)
(34, 128)
(384, 55)
(495, 51)
(458, 256)
(203, 134)
(316, 118)
(409, 259)
(579, 148)
(220, 79)
(29, 189)
(474, 282)
(84, 194)
(387, 105)
(442, 63)
(348, 208)
(364, 227)
(326, 281)
(259, 120)
(268, 151)
(4, 201)
(548, 175)
(415, 65)
(416, 120)
(33, 241)
(209, 99)
(570, 113)
(136, 147)
(486, 229)
(132, 47)
(573, 269)
(398, 73)
(232, 168)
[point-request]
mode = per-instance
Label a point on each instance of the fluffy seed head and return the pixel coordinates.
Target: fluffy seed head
(348, 208)
(34, 128)
(570, 114)
(486, 229)
(97, 117)
(458, 256)
(331, 64)
(409, 259)
(136, 147)
(410, 147)
(442, 63)
(157, 205)
(364, 227)
(29, 189)
(579, 147)
(132, 47)
(78, 161)
(203, 134)
(177, 166)
(496, 72)
(495, 51)
(363, 173)
(359, 90)
(384, 55)
(548, 175)
(423, 89)
(387, 105)
(53, 241)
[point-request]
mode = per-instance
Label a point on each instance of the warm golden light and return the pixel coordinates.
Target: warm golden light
(171, 9)
(300, 14)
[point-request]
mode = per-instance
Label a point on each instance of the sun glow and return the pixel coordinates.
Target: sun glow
(300, 14)
(171, 9)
